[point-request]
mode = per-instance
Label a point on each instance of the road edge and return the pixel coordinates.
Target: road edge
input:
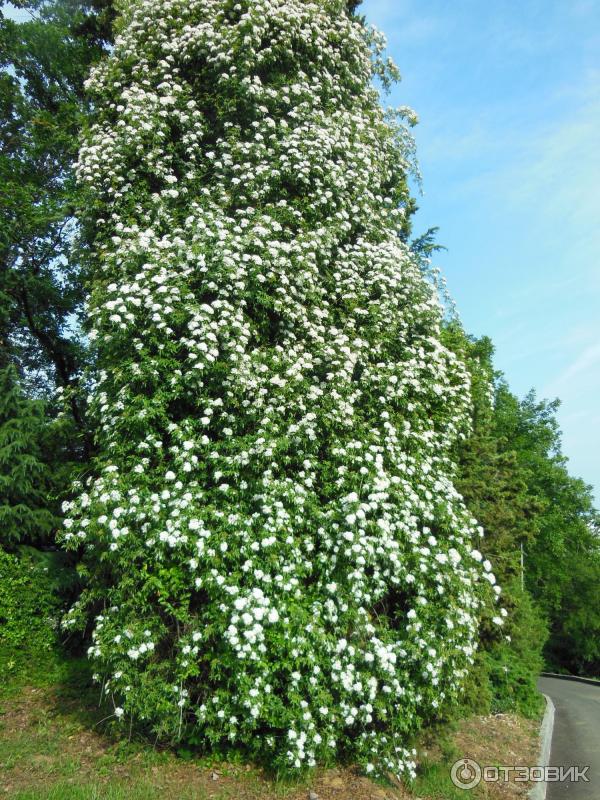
(591, 681)
(539, 790)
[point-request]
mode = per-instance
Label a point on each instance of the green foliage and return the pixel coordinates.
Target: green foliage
(29, 611)
(574, 643)
(353, 5)
(504, 677)
(516, 482)
(562, 556)
(43, 63)
(28, 482)
(495, 486)
(513, 663)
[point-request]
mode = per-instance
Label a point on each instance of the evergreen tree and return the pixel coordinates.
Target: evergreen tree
(27, 510)
(275, 551)
(496, 488)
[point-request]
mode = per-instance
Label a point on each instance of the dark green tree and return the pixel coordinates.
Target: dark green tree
(562, 563)
(494, 485)
(516, 482)
(27, 480)
(575, 633)
(43, 64)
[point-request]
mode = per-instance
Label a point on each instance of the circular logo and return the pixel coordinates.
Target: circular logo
(465, 773)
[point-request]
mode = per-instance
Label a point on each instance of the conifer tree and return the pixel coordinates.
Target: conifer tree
(276, 555)
(26, 478)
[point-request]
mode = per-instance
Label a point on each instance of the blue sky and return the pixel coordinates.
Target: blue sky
(508, 96)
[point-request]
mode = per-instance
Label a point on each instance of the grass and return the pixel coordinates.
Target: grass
(68, 791)
(433, 774)
(434, 780)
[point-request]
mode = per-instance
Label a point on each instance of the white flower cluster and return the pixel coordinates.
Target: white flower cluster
(272, 534)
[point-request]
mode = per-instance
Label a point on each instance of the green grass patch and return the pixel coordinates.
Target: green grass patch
(433, 781)
(145, 791)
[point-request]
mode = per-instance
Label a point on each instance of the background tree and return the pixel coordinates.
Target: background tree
(495, 486)
(43, 64)
(515, 480)
(561, 559)
(27, 481)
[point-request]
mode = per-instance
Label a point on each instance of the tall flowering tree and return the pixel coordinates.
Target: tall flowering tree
(277, 557)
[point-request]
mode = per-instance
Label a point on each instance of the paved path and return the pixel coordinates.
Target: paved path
(576, 739)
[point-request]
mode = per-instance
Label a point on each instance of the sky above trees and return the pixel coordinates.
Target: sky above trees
(509, 105)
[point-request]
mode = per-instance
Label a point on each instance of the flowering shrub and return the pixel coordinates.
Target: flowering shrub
(276, 555)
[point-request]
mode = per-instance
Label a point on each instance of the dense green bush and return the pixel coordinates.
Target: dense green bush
(507, 665)
(514, 661)
(29, 609)
(36, 464)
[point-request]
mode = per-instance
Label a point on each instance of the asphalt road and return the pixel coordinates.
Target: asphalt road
(576, 738)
